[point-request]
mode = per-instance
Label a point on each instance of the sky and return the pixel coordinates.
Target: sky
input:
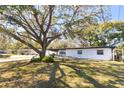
(114, 10)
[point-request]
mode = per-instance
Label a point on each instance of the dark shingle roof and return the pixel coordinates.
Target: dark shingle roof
(81, 48)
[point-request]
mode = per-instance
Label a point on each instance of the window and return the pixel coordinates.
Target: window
(62, 52)
(100, 52)
(79, 52)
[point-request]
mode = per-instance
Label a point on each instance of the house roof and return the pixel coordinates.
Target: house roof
(81, 48)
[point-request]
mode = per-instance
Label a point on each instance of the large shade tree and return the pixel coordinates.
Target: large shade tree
(88, 30)
(43, 24)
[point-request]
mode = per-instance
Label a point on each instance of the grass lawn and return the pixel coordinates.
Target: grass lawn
(81, 74)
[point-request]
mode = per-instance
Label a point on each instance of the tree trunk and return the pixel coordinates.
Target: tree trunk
(42, 53)
(44, 47)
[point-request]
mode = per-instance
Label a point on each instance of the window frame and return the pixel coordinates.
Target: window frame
(79, 52)
(99, 52)
(62, 52)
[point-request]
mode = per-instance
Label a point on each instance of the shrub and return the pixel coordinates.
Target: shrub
(52, 55)
(39, 59)
(48, 59)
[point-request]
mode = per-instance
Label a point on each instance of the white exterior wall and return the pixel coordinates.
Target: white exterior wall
(90, 53)
(48, 52)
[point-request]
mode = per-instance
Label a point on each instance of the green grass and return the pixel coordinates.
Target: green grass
(81, 73)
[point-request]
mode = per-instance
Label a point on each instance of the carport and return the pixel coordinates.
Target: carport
(118, 54)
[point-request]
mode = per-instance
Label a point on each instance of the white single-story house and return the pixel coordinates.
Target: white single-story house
(97, 53)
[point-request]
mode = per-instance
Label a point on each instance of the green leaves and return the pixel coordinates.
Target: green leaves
(2, 8)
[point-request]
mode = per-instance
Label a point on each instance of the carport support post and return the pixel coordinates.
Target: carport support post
(113, 55)
(122, 54)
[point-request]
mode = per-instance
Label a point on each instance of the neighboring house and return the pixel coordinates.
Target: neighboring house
(32, 52)
(49, 52)
(97, 53)
(2, 52)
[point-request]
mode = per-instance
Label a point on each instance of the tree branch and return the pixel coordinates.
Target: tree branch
(19, 39)
(51, 8)
(50, 39)
(27, 37)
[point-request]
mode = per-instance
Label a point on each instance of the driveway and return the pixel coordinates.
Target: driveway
(16, 58)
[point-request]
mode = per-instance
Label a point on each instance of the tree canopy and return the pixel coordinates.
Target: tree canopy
(43, 24)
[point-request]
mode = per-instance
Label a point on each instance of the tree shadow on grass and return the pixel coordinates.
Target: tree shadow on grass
(87, 77)
(113, 70)
(56, 82)
(13, 82)
(14, 65)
